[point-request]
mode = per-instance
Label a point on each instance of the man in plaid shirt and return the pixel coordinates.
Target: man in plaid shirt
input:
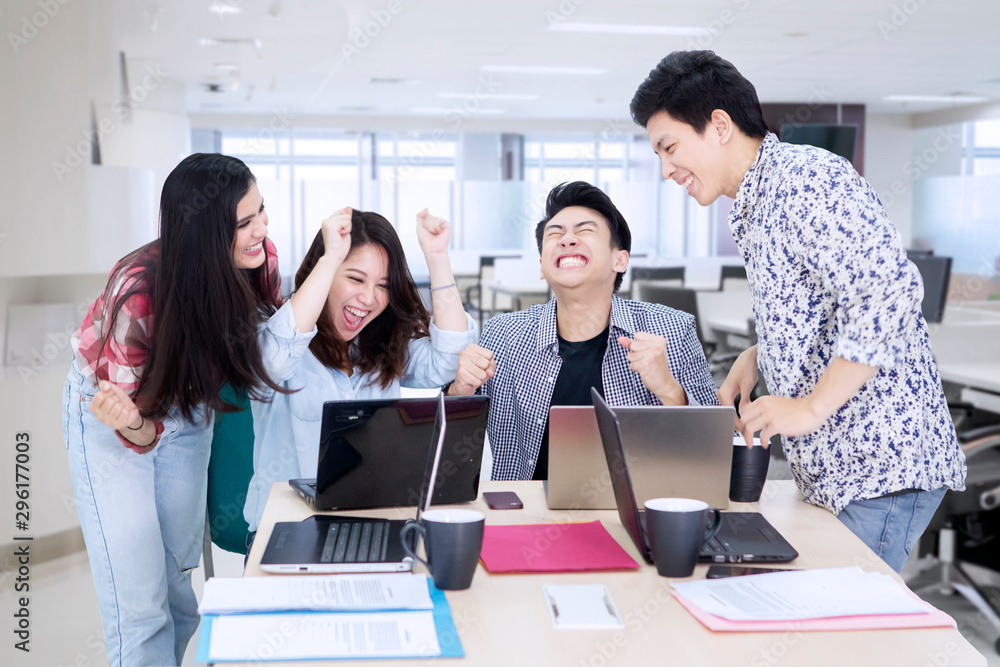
(634, 353)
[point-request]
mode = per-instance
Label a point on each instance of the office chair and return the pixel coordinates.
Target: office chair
(478, 295)
(936, 274)
(230, 469)
(731, 273)
(649, 276)
(686, 300)
(965, 529)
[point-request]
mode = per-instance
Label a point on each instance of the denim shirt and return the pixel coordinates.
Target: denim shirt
(286, 430)
(829, 278)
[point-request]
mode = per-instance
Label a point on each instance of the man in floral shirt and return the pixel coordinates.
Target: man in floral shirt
(844, 350)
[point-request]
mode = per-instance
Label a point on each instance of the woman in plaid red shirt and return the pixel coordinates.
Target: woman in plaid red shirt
(177, 321)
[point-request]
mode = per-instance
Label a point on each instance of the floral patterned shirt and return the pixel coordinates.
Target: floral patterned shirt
(829, 278)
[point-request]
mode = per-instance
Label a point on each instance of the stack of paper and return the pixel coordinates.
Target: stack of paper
(830, 599)
(553, 547)
(322, 617)
(345, 592)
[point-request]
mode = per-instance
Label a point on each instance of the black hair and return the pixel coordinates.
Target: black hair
(206, 310)
(690, 85)
(383, 345)
(580, 193)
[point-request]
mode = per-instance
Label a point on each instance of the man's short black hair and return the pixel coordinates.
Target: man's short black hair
(690, 85)
(579, 193)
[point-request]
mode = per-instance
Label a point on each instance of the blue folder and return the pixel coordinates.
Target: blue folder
(448, 639)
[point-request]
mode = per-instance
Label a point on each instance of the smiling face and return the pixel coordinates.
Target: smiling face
(251, 229)
(700, 163)
(360, 290)
(577, 253)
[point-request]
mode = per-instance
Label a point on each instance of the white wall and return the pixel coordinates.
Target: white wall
(66, 221)
(889, 144)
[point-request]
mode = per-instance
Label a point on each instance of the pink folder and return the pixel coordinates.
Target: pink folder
(934, 618)
(553, 547)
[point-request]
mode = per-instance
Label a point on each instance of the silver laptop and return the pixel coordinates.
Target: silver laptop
(672, 451)
(329, 544)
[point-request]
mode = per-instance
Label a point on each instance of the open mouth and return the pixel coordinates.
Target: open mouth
(353, 317)
(686, 183)
(571, 262)
(254, 249)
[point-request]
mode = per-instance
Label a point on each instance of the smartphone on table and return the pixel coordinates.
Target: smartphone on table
(502, 500)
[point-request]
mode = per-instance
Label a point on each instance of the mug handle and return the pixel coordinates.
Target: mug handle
(406, 543)
(716, 524)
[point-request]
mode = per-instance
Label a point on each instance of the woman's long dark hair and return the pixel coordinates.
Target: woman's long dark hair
(206, 311)
(381, 347)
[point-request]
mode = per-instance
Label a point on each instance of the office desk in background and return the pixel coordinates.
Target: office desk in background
(503, 619)
(537, 291)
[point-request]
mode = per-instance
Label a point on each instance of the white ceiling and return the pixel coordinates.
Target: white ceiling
(847, 51)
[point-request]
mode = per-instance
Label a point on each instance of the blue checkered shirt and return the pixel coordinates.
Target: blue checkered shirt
(526, 350)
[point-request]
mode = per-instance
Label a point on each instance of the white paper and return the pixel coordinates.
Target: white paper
(802, 594)
(340, 592)
(260, 637)
(581, 607)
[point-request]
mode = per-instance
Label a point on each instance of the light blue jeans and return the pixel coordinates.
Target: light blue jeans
(143, 520)
(890, 526)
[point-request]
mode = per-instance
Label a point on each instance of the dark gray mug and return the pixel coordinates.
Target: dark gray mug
(749, 471)
(676, 530)
(453, 539)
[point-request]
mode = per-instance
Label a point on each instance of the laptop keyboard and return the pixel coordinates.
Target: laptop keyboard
(355, 542)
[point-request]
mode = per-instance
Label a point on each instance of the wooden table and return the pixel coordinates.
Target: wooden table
(503, 620)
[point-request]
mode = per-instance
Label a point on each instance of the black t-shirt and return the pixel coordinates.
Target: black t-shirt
(581, 370)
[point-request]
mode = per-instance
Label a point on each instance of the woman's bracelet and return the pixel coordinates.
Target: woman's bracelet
(139, 427)
(435, 289)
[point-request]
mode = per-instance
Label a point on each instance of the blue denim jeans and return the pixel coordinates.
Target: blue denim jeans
(143, 520)
(890, 526)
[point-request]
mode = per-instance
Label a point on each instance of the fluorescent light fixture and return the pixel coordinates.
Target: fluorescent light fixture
(227, 67)
(488, 96)
(224, 8)
(948, 99)
(256, 43)
(539, 69)
(394, 80)
(443, 110)
(629, 29)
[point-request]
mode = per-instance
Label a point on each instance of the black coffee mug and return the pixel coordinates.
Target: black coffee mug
(676, 529)
(453, 539)
(749, 471)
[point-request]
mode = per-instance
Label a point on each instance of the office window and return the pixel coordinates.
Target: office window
(306, 174)
(986, 148)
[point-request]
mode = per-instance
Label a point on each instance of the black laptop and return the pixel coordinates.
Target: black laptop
(326, 544)
(744, 537)
(372, 453)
